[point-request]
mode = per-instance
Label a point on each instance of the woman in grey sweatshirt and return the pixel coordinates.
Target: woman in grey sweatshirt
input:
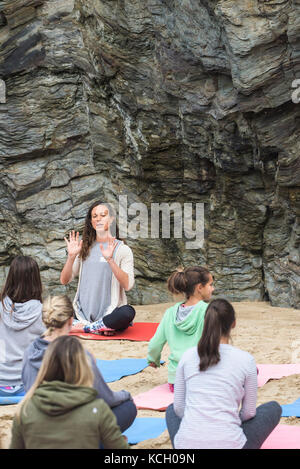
(20, 318)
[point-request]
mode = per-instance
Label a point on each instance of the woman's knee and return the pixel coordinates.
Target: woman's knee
(170, 414)
(125, 414)
(170, 410)
(127, 311)
(270, 412)
(132, 409)
(276, 408)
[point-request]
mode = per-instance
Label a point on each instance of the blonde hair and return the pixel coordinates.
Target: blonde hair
(65, 360)
(56, 312)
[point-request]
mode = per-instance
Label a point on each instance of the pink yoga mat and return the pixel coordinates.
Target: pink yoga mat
(140, 331)
(283, 437)
(267, 372)
(158, 398)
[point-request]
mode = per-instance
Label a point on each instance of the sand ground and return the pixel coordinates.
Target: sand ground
(270, 334)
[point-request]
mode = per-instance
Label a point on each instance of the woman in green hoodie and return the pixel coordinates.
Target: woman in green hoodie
(61, 410)
(182, 324)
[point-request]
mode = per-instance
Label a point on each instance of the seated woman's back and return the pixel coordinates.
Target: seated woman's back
(20, 317)
(210, 400)
(61, 415)
(215, 392)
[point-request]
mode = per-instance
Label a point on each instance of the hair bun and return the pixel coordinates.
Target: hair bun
(56, 311)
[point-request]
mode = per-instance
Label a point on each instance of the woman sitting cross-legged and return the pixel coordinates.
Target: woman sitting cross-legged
(215, 392)
(62, 410)
(104, 266)
(58, 316)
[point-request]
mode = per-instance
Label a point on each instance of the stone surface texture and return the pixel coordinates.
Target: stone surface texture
(161, 101)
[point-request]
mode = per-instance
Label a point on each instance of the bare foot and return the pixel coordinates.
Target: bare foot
(78, 325)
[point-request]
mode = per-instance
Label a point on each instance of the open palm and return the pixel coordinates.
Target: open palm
(74, 245)
(109, 249)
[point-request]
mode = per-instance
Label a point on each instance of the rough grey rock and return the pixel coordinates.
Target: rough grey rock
(162, 101)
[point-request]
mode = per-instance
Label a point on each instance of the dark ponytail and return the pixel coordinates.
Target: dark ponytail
(219, 318)
(184, 281)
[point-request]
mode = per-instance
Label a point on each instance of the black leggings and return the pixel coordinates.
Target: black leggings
(120, 318)
(125, 414)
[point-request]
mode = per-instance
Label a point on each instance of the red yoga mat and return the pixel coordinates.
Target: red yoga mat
(140, 331)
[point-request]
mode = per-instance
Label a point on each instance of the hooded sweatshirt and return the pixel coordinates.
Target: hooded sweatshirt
(180, 335)
(64, 416)
(20, 324)
(32, 362)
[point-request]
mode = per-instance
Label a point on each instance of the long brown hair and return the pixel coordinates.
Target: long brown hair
(89, 234)
(65, 360)
(219, 318)
(56, 312)
(184, 281)
(23, 282)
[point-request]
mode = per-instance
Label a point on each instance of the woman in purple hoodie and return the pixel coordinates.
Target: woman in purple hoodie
(20, 320)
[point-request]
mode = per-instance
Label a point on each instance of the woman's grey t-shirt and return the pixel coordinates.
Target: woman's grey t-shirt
(95, 285)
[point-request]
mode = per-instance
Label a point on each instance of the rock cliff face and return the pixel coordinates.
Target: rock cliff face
(162, 101)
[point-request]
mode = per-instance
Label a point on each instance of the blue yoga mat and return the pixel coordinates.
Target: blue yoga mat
(113, 370)
(10, 400)
(144, 428)
(291, 410)
(12, 395)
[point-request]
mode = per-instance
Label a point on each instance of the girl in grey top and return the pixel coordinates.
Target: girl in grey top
(20, 318)
(215, 392)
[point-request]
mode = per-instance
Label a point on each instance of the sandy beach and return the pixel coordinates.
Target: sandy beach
(270, 334)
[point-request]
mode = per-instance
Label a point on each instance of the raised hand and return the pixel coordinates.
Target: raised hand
(74, 245)
(108, 251)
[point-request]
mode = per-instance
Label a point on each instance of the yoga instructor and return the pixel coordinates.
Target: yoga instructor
(104, 265)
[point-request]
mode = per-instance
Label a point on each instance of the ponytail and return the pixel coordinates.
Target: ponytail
(219, 318)
(184, 281)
